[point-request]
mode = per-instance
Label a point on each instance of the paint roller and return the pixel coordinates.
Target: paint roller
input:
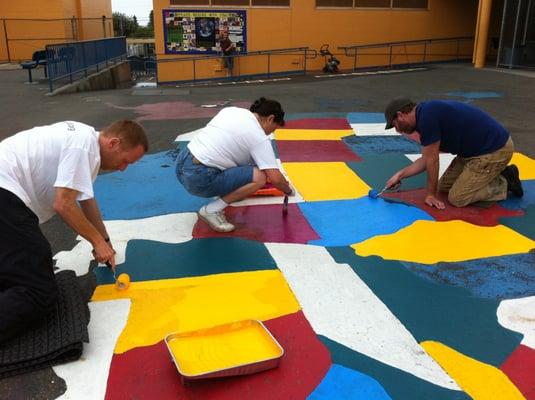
(122, 282)
(374, 194)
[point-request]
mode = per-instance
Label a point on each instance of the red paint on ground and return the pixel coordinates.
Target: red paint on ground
(148, 373)
(318, 123)
(179, 110)
(264, 223)
(520, 367)
(315, 150)
(481, 216)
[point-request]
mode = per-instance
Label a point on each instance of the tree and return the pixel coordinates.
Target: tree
(124, 25)
(150, 25)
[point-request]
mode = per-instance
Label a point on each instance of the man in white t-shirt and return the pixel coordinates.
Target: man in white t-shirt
(232, 158)
(44, 171)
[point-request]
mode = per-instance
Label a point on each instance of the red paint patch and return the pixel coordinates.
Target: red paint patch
(178, 110)
(315, 150)
(475, 215)
(318, 123)
(264, 223)
(148, 373)
(520, 367)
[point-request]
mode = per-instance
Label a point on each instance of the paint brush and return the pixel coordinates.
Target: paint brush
(285, 206)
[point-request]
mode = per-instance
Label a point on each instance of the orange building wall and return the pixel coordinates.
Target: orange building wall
(31, 25)
(304, 25)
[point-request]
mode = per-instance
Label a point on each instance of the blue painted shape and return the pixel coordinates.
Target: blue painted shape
(366, 118)
(149, 260)
(376, 169)
(498, 278)
(515, 203)
(146, 189)
(305, 115)
(525, 225)
(430, 311)
(363, 145)
(471, 96)
(345, 383)
(397, 383)
(357, 219)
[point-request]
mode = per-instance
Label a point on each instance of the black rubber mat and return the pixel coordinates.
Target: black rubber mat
(58, 340)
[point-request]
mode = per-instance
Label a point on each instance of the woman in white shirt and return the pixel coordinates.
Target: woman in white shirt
(232, 158)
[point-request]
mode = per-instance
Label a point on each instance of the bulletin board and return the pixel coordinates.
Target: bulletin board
(199, 31)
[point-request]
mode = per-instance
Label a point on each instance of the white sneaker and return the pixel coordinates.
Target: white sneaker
(217, 221)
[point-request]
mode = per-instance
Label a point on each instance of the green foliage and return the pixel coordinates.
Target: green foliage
(123, 25)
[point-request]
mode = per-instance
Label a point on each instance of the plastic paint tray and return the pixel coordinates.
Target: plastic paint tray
(238, 348)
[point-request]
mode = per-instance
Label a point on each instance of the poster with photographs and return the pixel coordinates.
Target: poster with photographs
(200, 32)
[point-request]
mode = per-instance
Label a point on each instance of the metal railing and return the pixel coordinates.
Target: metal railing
(304, 52)
(76, 59)
(393, 51)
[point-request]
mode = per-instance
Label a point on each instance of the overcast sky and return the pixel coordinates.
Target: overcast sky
(140, 8)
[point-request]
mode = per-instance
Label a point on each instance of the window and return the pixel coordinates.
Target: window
(230, 2)
(189, 2)
(409, 4)
(272, 3)
(373, 3)
(417, 4)
(334, 3)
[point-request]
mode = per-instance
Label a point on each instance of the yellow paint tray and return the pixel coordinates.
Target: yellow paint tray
(238, 348)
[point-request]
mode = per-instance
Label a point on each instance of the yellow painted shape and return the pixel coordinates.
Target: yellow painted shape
(312, 134)
(479, 380)
(429, 242)
(325, 180)
(180, 305)
(525, 165)
(224, 347)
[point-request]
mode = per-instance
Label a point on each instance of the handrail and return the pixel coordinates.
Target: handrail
(306, 52)
(405, 42)
(353, 51)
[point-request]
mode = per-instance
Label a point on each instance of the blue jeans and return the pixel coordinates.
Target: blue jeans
(203, 181)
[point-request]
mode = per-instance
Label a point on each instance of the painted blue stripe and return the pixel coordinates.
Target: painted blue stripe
(147, 188)
(362, 145)
(344, 383)
(358, 219)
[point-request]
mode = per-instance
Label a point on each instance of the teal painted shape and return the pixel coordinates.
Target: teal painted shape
(375, 170)
(523, 202)
(525, 225)
(366, 118)
(430, 311)
(345, 383)
(397, 383)
(146, 189)
(363, 145)
(148, 260)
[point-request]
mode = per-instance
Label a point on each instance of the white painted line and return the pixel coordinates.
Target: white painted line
(340, 306)
(87, 377)
(171, 228)
(445, 160)
(373, 130)
(518, 315)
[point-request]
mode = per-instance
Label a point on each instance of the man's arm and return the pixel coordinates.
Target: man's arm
(92, 213)
(66, 206)
(417, 167)
(278, 180)
(430, 154)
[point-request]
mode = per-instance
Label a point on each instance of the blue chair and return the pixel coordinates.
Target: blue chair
(38, 58)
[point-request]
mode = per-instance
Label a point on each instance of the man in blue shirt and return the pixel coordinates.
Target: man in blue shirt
(482, 146)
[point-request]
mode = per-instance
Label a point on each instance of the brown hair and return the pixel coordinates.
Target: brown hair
(130, 132)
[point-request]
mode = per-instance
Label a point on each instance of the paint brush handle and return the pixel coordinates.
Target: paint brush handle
(285, 205)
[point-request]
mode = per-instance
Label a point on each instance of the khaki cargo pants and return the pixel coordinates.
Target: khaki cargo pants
(477, 178)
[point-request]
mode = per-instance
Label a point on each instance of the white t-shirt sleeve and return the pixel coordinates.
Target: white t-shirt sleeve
(74, 172)
(263, 155)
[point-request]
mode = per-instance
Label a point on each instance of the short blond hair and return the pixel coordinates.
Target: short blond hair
(130, 132)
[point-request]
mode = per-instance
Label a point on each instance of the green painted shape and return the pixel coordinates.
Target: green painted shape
(430, 311)
(397, 383)
(376, 169)
(525, 224)
(150, 260)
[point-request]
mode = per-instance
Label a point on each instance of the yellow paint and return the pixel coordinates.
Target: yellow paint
(181, 305)
(429, 242)
(312, 134)
(477, 379)
(525, 165)
(224, 347)
(325, 181)
(123, 282)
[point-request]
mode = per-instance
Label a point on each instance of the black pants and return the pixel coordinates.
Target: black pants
(28, 288)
